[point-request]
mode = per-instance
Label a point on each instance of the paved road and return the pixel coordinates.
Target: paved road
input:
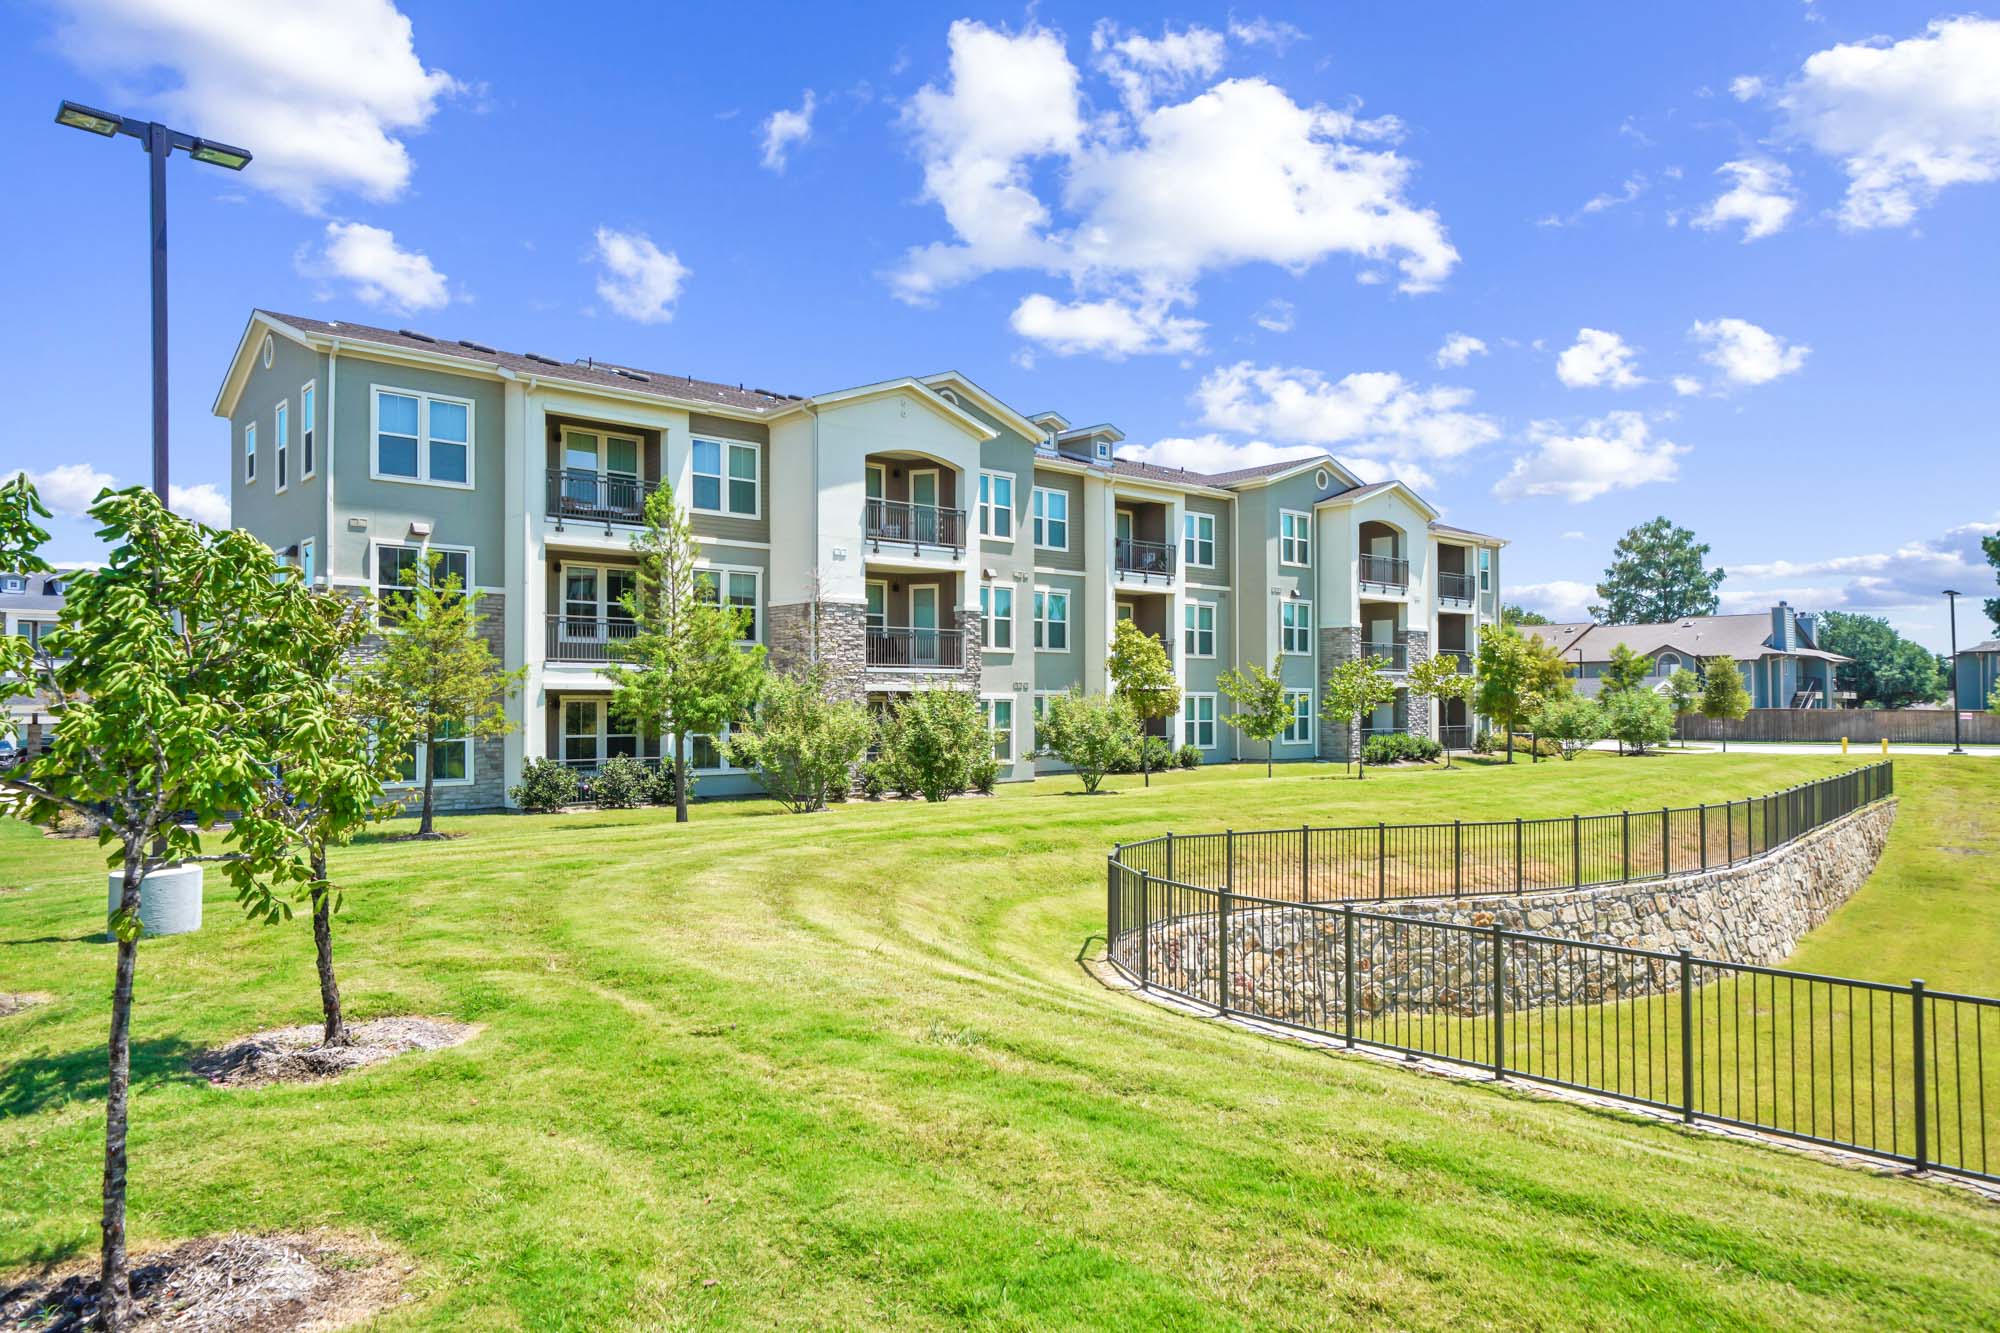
(1854, 751)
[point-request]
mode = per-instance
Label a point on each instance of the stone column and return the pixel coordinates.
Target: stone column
(1336, 645)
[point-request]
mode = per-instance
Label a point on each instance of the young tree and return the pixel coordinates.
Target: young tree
(1514, 614)
(1142, 676)
(1723, 698)
(1626, 670)
(1515, 675)
(1092, 733)
(1263, 710)
(800, 742)
(1683, 692)
(159, 675)
(935, 740)
(1638, 718)
(1438, 679)
(1573, 722)
(436, 675)
(689, 674)
(1656, 575)
(1885, 669)
(1991, 546)
(1352, 689)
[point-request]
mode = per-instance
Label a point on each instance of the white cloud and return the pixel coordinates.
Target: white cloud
(1574, 536)
(1744, 353)
(1145, 68)
(639, 280)
(383, 273)
(1110, 327)
(784, 130)
(69, 488)
(1635, 185)
(1906, 578)
(1597, 359)
(1906, 119)
(1687, 386)
(1277, 316)
(201, 502)
(1561, 600)
(1458, 349)
(323, 92)
(1260, 31)
(1744, 87)
(1613, 453)
(1214, 453)
(1761, 199)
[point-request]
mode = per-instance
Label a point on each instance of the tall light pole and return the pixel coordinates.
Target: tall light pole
(1957, 719)
(159, 142)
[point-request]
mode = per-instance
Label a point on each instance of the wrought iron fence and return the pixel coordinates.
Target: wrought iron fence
(1130, 556)
(918, 524)
(1386, 571)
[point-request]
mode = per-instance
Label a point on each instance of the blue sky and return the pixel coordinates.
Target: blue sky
(1730, 263)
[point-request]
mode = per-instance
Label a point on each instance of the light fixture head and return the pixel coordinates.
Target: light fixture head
(80, 117)
(1953, 592)
(219, 154)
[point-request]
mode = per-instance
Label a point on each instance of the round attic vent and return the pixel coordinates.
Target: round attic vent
(1320, 479)
(267, 351)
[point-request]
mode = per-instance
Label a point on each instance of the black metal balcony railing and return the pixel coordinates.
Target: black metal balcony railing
(587, 638)
(1388, 571)
(1455, 738)
(1395, 656)
(1130, 556)
(1454, 587)
(923, 649)
(1460, 656)
(917, 524)
(597, 497)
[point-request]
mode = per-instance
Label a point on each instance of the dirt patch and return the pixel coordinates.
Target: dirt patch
(15, 1002)
(422, 837)
(222, 1284)
(1962, 851)
(294, 1055)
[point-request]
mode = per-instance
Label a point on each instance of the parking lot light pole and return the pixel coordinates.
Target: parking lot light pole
(1957, 718)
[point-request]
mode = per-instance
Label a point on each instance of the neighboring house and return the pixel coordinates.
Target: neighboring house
(30, 606)
(1978, 675)
(918, 530)
(1778, 652)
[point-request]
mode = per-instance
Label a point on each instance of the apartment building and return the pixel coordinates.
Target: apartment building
(910, 533)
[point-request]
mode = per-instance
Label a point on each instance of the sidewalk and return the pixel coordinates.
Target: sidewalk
(1857, 750)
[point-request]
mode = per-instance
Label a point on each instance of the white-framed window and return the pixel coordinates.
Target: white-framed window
(1198, 629)
(1040, 706)
(450, 759)
(1299, 731)
(1104, 451)
(996, 506)
(1666, 664)
(249, 451)
(739, 586)
(878, 605)
(13, 583)
(1295, 628)
(592, 733)
(421, 437)
(1294, 537)
(998, 710)
(728, 478)
(267, 351)
(281, 441)
(1051, 519)
(996, 607)
(1198, 721)
(392, 559)
(1485, 569)
(308, 430)
(306, 563)
(1198, 540)
(1052, 620)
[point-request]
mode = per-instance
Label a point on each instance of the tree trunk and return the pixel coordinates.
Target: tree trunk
(334, 1031)
(425, 826)
(1510, 742)
(1269, 745)
(1145, 758)
(1360, 764)
(680, 779)
(115, 1284)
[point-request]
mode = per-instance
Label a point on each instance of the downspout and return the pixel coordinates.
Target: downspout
(812, 575)
(325, 462)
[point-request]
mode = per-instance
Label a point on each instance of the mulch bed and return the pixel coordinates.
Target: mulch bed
(221, 1284)
(294, 1055)
(14, 1002)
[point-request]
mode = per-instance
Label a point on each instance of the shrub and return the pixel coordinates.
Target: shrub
(1639, 718)
(801, 743)
(872, 783)
(1188, 756)
(545, 785)
(1495, 742)
(1155, 753)
(620, 783)
(1573, 722)
(985, 775)
(658, 786)
(1397, 747)
(1092, 733)
(934, 740)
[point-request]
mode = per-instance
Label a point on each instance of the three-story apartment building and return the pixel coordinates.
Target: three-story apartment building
(908, 533)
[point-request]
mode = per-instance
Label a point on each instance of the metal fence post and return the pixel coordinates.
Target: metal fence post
(1666, 843)
(1729, 832)
(1229, 858)
(1576, 851)
(1457, 857)
(1224, 973)
(1517, 853)
(1704, 835)
(1145, 929)
(1381, 859)
(1170, 854)
(1625, 843)
(1347, 976)
(1687, 1037)
(1499, 1002)
(1305, 863)
(1917, 1062)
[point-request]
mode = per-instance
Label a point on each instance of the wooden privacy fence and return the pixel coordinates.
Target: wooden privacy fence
(1863, 726)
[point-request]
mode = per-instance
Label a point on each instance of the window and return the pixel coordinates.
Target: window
(422, 437)
(726, 478)
(878, 602)
(1294, 537)
(391, 561)
(308, 431)
(13, 583)
(1199, 629)
(1041, 706)
(1666, 664)
(1295, 628)
(1052, 519)
(1485, 570)
(999, 715)
(1104, 450)
(306, 570)
(739, 588)
(1198, 539)
(1300, 730)
(1052, 620)
(450, 758)
(250, 451)
(996, 505)
(996, 604)
(281, 421)
(1198, 721)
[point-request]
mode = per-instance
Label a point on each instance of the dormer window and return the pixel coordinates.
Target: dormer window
(1104, 451)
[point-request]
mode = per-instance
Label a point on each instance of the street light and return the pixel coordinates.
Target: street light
(1957, 721)
(160, 143)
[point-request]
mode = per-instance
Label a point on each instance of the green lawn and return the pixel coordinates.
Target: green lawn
(849, 1068)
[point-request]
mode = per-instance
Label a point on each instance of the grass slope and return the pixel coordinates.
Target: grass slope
(846, 1069)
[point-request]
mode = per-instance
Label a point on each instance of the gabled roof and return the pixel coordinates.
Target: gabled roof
(1990, 646)
(1447, 530)
(1025, 427)
(1745, 637)
(1353, 494)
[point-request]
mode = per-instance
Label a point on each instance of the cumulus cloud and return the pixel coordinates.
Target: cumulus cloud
(1214, 453)
(636, 278)
(1111, 328)
(1277, 316)
(70, 489)
(1761, 199)
(1744, 87)
(381, 272)
(1745, 353)
(1598, 359)
(1687, 386)
(1613, 453)
(1904, 579)
(1559, 599)
(1458, 349)
(323, 92)
(1260, 31)
(785, 130)
(1146, 68)
(201, 502)
(1905, 119)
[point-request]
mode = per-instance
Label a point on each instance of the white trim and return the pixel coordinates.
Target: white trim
(309, 427)
(1305, 521)
(1306, 651)
(866, 584)
(374, 580)
(281, 457)
(1208, 587)
(603, 450)
(249, 453)
(1013, 724)
(1188, 520)
(723, 481)
(1013, 644)
(308, 558)
(424, 401)
(1039, 523)
(1188, 719)
(1192, 607)
(880, 471)
(1042, 594)
(422, 760)
(1312, 715)
(1013, 489)
(937, 488)
(757, 626)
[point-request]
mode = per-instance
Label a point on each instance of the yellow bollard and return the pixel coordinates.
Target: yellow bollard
(1885, 745)
(1843, 745)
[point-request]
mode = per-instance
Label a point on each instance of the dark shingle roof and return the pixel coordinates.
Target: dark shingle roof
(1451, 531)
(1132, 467)
(1990, 646)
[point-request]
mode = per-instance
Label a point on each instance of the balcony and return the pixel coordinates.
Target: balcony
(1455, 587)
(587, 638)
(1459, 655)
(597, 497)
(1386, 571)
(1394, 655)
(909, 648)
(1455, 738)
(917, 524)
(1146, 559)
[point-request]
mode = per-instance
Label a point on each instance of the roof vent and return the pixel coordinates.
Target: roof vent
(420, 337)
(632, 375)
(478, 347)
(545, 360)
(767, 393)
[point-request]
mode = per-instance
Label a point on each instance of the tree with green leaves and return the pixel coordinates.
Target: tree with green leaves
(1626, 670)
(1723, 697)
(1352, 690)
(1638, 718)
(435, 677)
(1515, 614)
(1092, 733)
(1515, 675)
(1573, 722)
(1142, 676)
(1263, 706)
(1884, 670)
(687, 670)
(800, 741)
(1438, 679)
(1991, 546)
(164, 676)
(1683, 692)
(1657, 575)
(935, 740)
